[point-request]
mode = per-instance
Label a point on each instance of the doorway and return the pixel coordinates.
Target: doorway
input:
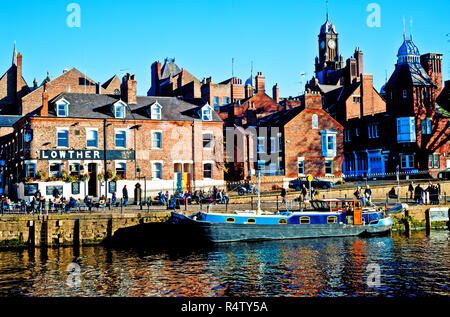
(92, 183)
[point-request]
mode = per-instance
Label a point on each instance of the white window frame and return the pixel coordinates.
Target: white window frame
(212, 169)
(57, 138)
(66, 104)
(153, 114)
(408, 136)
(96, 140)
(117, 163)
(122, 105)
(153, 164)
(153, 134)
(115, 137)
(325, 137)
(433, 164)
(261, 148)
(210, 147)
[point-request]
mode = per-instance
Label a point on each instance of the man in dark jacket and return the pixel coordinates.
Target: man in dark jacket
(125, 195)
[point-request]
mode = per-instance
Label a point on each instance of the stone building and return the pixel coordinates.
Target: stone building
(120, 138)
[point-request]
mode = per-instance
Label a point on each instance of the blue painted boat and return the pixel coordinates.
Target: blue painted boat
(327, 218)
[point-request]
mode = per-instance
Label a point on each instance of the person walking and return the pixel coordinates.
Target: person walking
(125, 195)
(114, 199)
(304, 192)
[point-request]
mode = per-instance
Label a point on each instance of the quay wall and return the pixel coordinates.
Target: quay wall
(72, 229)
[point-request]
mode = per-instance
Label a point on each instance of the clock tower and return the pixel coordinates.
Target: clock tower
(329, 57)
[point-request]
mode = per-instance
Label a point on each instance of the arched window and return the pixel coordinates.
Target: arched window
(315, 121)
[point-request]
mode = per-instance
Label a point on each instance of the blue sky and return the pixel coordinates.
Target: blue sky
(280, 37)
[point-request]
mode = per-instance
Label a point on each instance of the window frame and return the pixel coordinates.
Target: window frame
(117, 106)
(88, 130)
(211, 171)
(154, 133)
(156, 111)
(65, 103)
(211, 141)
(154, 164)
(58, 130)
(116, 131)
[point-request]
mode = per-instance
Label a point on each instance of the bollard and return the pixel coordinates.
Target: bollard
(121, 205)
(407, 224)
(251, 202)
(185, 204)
(277, 204)
(226, 205)
(427, 221)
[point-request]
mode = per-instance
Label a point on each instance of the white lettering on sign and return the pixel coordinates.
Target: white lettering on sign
(96, 154)
(53, 154)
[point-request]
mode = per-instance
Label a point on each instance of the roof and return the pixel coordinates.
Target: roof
(328, 27)
(280, 118)
(337, 96)
(169, 68)
(8, 121)
(109, 81)
(409, 74)
(100, 107)
(441, 112)
(408, 48)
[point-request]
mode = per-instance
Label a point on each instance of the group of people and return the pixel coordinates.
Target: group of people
(199, 196)
(365, 197)
(432, 192)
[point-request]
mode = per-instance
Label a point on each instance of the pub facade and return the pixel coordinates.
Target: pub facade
(95, 144)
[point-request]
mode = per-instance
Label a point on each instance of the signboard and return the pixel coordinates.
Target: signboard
(30, 189)
(86, 155)
(112, 187)
(75, 188)
(310, 178)
(50, 189)
(439, 214)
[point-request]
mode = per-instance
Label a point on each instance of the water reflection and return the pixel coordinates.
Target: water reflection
(414, 266)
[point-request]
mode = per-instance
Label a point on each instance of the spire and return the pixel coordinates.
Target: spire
(404, 28)
(14, 61)
(327, 10)
(411, 21)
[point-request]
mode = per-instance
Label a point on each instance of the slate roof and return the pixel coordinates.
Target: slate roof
(8, 121)
(409, 74)
(169, 68)
(280, 118)
(100, 107)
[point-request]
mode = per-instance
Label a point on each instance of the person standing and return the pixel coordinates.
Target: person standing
(125, 195)
(304, 192)
(411, 190)
(368, 195)
(283, 196)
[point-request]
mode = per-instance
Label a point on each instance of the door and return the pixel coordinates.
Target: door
(357, 213)
(92, 183)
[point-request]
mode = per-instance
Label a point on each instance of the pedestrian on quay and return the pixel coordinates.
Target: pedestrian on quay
(359, 195)
(411, 190)
(368, 195)
(114, 199)
(304, 192)
(125, 195)
(418, 193)
(283, 196)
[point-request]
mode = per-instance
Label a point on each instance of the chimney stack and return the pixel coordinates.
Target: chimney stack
(276, 93)
(313, 100)
(99, 88)
(44, 110)
(260, 83)
(128, 88)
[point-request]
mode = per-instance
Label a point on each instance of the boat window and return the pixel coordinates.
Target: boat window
(251, 220)
(332, 219)
(231, 220)
(305, 220)
(282, 222)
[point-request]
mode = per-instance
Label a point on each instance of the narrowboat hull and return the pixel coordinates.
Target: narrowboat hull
(234, 232)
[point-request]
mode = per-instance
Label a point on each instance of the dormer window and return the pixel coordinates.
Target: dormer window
(119, 110)
(62, 108)
(206, 113)
(155, 111)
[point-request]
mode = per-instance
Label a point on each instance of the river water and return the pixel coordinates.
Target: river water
(339, 267)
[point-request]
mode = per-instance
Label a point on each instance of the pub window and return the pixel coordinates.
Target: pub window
(74, 169)
(30, 170)
(91, 138)
(121, 169)
(62, 137)
(121, 139)
(207, 171)
(55, 170)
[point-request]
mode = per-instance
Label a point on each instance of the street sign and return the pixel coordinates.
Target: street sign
(310, 178)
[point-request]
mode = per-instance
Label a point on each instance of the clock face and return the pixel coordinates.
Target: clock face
(332, 44)
(322, 44)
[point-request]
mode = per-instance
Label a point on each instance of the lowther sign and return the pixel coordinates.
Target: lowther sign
(86, 155)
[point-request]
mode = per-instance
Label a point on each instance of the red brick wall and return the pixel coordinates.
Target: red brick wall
(72, 81)
(176, 143)
(300, 140)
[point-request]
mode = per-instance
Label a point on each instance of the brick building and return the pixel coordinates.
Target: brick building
(300, 141)
(176, 144)
(422, 141)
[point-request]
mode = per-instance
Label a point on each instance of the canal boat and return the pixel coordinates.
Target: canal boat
(324, 218)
